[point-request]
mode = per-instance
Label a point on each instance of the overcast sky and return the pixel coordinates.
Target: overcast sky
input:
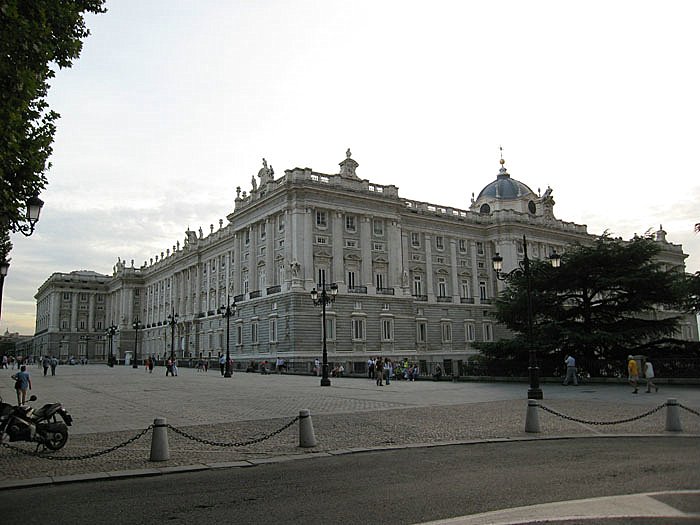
(174, 103)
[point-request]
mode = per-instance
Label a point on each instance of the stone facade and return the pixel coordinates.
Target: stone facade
(414, 279)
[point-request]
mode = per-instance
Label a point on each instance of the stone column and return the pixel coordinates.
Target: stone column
(430, 291)
(454, 270)
(394, 249)
(338, 250)
(366, 251)
(74, 312)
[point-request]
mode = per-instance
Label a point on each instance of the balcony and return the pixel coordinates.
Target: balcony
(420, 297)
(274, 289)
(255, 294)
(385, 291)
(444, 299)
(211, 312)
(239, 298)
(357, 289)
(466, 300)
(486, 301)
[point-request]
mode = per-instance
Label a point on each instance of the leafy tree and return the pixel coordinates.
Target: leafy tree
(35, 37)
(601, 304)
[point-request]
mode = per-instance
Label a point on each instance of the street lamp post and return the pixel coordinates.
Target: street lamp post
(227, 311)
(172, 321)
(111, 330)
(136, 326)
(534, 392)
(324, 298)
(33, 210)
(4, 267)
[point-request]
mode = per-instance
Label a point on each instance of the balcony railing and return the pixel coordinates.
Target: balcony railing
(486, 301)
(254, 294)
(466, 300)
(420, 297)
(385, 291)
(357, 289)
(274, 289)
(444, 299)
(239, 298)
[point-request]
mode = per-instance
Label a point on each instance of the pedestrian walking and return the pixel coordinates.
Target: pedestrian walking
(370, 368)
(45, 363)
(54, 364)
(649, 375)
(151, 364)
(379, 371)
(169, 367)
(570, 370)
(174, 370)
(22, 384)
(633, 372)
(222, 364)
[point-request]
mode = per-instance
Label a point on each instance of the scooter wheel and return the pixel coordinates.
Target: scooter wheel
(55, 439)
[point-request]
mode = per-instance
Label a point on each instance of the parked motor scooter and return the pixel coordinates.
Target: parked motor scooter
(41, 426)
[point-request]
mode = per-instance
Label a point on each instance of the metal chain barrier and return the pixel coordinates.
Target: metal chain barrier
(83, 456)
(236, 444)
(586, 422)
(689, 409)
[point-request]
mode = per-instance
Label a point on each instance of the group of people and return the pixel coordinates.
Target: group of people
(382, 370)
(49, 362)
(633, 373)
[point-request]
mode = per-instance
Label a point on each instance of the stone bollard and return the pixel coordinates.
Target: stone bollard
(532, 421)
(673, 417)
(160, 451)
(307, 438)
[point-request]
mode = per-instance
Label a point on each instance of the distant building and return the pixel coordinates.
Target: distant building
(14, 344)
(414, 279)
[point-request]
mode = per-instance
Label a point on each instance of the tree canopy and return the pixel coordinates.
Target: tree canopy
(35, 37)
(604, 301)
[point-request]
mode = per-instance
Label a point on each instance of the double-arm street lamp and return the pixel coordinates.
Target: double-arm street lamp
(136, 325)
(228, 311)
(324, 298)
(111, 330)
(172, 321)
(534, 392)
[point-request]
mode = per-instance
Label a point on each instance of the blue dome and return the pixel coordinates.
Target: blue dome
(504, 187)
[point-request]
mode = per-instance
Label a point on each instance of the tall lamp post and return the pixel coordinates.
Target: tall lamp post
(228, 311)
(111, 330)
(4, 267)
(172, 321)
(534, 392)
(136, 326)
(324, 298)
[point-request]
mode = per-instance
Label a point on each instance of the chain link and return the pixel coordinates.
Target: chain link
(586, 422)
(689, 409)
(83, 456)
(236, 444)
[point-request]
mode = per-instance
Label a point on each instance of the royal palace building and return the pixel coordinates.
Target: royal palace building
(414, 279)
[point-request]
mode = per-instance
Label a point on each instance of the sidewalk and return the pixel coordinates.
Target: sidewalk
(112, 405)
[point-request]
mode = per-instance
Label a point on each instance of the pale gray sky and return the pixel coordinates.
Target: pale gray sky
(174, 103)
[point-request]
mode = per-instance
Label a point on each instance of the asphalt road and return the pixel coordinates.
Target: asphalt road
(389, 487)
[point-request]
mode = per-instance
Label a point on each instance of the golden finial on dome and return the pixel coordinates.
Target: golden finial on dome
(502, 161)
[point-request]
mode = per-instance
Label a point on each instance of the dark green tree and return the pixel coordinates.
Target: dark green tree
(602, 303)
(36, 36)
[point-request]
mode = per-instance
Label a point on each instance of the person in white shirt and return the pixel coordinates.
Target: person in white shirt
(649, 375)
(570, 370)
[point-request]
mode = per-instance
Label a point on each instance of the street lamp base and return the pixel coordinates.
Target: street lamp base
(534, 393)
(325, 381)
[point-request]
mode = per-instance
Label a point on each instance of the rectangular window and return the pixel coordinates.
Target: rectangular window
(440, 242)
(330, 328)
(350, 223)
(66, 296)
(480, 248)
(239, 334)
(263, 230)
(442, 286)
(465, 289)
(350, 243)
(273, 330)
(321, 219)
(415, 239)
(280, 222)
(254, 332)
(462, 246)
(84, 297)
(446, 328)
(482, 291)
(378, 246)
(387, 329)
(469, 332)
(379, 280)
(320, 239)
(247, 236)
(417, 285)
(322, 277)
(421, 331)
(415, 257)
(82, 325)
(358, 329)
(351, 279)
(440, 260)
(488, 332)
(98, 325)
(378, 227)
